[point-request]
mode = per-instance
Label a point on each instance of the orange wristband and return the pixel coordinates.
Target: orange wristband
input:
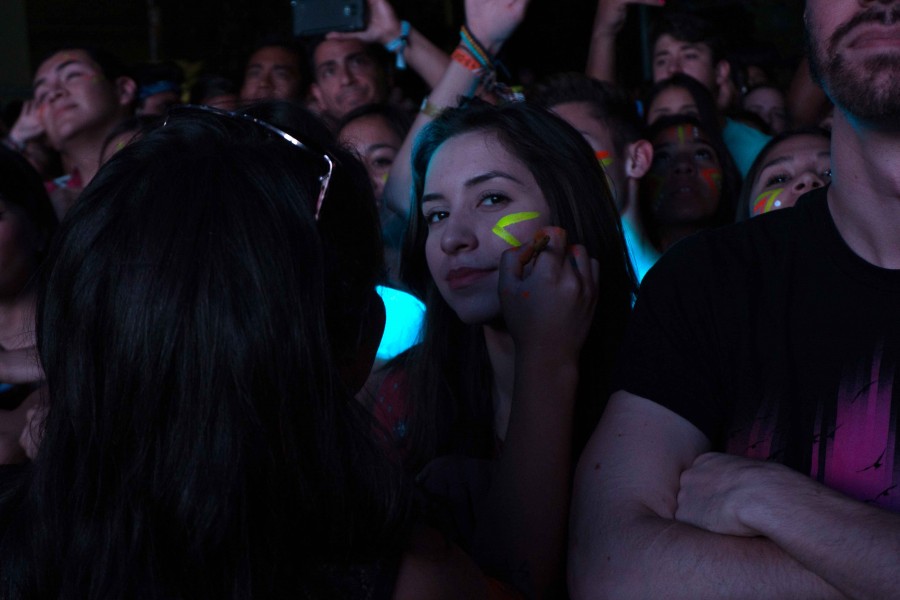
(465, 59)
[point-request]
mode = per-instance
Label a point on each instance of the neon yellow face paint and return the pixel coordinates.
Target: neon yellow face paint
(511, 219)
(767, 201)
(384, 178)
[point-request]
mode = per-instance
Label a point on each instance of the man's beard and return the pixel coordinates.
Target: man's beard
(869, 91)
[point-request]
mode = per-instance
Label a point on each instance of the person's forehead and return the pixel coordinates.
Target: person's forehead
(337, 50)
(274, 56)
(370, 129)
(767, 96)
(681, 134)
(800, 147)
(61, 58)
(668, 44)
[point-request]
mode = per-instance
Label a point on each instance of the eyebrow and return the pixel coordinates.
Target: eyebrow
(58, 68)
(478, 179)
(374, 147)
(790, 157)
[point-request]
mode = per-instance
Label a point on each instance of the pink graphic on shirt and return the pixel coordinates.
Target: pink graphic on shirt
(855, 450)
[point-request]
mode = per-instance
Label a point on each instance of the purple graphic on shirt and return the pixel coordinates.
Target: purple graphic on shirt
(855, 449)
(853, 435)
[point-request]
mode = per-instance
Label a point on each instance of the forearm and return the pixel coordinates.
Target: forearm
(601, 62)
(426, 59)
(648, 556)
(523, 520)
(456, 82)
(853, 546)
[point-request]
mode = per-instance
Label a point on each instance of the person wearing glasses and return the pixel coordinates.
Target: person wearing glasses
(203, 440)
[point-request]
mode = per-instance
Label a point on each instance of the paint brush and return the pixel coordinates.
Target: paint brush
(537, 247)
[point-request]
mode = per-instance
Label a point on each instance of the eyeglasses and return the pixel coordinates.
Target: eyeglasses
(324, 179)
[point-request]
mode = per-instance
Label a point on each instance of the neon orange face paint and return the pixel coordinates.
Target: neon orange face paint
(713, 178)
(604, 158)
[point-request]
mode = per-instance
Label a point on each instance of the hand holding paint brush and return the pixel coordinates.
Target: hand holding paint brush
(548, 304)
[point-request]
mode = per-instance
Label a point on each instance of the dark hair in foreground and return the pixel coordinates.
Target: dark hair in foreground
(200, 442)
(688, 27)
(609, 104)
(450, 372)
(744, 201)
(20, 185)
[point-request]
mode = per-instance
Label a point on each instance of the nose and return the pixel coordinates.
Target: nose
(675, 66)
(346, 75)
(684, 165)
(457, 236)
(808, 180)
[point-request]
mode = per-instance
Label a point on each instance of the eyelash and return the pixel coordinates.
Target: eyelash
(784, 177)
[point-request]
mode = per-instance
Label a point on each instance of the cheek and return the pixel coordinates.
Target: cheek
(712, 177)
(768, 201)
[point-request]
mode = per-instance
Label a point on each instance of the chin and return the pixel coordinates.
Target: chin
(471, 314)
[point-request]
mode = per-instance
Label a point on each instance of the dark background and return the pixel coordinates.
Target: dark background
(215, 34)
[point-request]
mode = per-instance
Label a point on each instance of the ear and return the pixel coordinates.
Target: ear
(126, 91)
(639, 157)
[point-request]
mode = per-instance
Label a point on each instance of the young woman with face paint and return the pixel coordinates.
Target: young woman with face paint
(494, 405)
(792, 164)
(692, 184)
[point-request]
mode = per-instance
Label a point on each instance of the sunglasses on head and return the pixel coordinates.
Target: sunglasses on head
(324, 178)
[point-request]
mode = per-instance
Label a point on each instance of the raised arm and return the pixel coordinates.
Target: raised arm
(521, 525)
(608, 22)
(626, 539)
(491, 22)
(421, 55)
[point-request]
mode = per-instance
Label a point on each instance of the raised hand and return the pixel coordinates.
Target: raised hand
(610, 17)
(29, 125)
(383, 25)
(493, 21)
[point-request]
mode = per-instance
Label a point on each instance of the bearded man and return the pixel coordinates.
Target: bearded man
(751, 449)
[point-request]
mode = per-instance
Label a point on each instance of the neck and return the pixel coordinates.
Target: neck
(502, 354)
(17, 321)
(864, 197)
(82, 151)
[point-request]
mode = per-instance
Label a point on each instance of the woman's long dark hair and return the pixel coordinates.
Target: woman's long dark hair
(450, 373)
(199, 442)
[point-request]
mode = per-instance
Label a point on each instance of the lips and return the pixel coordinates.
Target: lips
(872, 36)
(463, 277)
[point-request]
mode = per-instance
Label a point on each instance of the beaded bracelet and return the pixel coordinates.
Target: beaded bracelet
(398, 45)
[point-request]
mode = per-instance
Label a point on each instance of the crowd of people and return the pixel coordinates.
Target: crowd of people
(293, 337)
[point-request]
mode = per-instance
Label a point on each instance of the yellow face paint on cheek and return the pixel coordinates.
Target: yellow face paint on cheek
(384, 178)
(511, 219)
(767, 201)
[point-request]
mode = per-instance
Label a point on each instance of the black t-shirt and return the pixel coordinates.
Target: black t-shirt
(778, 342)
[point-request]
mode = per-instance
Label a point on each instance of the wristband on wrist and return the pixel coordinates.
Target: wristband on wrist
(464, 58)
(398, 45)
(475, 48)
(431, 110)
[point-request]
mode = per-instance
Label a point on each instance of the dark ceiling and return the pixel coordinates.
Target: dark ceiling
(554, 36)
